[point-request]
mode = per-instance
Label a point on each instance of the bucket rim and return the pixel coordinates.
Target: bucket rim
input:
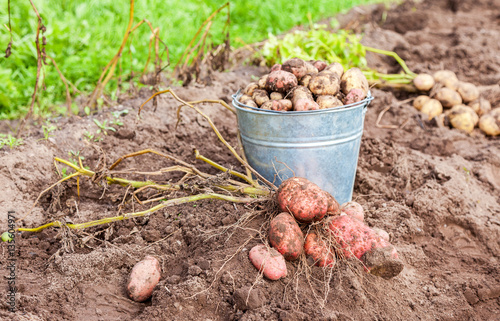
(242, 107)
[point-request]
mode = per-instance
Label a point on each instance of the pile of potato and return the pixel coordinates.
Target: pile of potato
(300, 85)
(465, 109)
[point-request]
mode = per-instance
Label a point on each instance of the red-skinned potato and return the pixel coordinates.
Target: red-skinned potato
(319, 64)
(303, 104)
(296, 66)
(144, 277)
(286, 237)
(354, 79)
(269, 261)
(353, 209)
(318, 251)
(355, 239)
(281, 81)
(354, 96)
(306, 201)
(276, 67)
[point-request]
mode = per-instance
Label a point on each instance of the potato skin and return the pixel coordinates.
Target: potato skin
(448, 97)
(303, 104)
(286, 237)
(481, 106)
(328, 101)
(275, 96)
(324, 83)
(276, 67)
(463, 118)
(318, 250)
(143, 278)
(296, 66)
(432, 108)
(278, 105)
(353, 209)
(354, 96)
(420, 101)
(336, 68)
(319, 64)
(269, 261)
(490, 122)
(260, 96)
(249, 89)
(281, 81)
(446, 78)
(468, 91)
(354, 78)
(424, 82)
(263, 81)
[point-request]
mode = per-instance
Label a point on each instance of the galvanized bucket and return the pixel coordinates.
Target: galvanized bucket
(320, 145)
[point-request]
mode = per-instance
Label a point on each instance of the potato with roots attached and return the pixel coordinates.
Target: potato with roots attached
(354, 79)
(144, 277)
(420, 101)
(260, 96)
(448, 97)
(481, 106)
(278, 105)
(306, 201)
(286, 237)
(268, 261)
(281, 81)
(328, 101)
(463, 118)
(324, 83)
(490, 122)
(446, 78)
(355, 239)
(468, 91)
(336, 68)
(432, 108)
(319, 251)
(424, 82)
(353, 209)
(249, 89)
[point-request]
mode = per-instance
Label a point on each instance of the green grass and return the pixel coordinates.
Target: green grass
(82, 36)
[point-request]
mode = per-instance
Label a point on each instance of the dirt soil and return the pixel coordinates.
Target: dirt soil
(435, 190)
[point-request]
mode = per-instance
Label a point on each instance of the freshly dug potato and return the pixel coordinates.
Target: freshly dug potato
(281, 81)
(424, 82)
(296, 66)
(354, 79)
(251, 103)
(143, 278)
(276, 96)
(353, 209)
(481, 106)
(303, 104)
(260, 96)
(279, 105)
(311, 69)
(336, 68)
(306, 201)
(354, 96)
(463, 118)
(249, 89)
(301, 92)
(276, 67)
(447, 78)
(319, 64)
(328, 101)
(420, 101)
(304, 81)
(269, 261)
(383, 234)
(468, 91)
(244, 98)
(318, 251)
(432, 108)
(448, 97)
(286, 237)
(263, 81)
(324, 83)
(355, 239)
(490, 122)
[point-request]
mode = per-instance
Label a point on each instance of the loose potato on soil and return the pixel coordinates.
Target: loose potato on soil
(269, 261)
(446, 78)
(463, 118)
(260, 96)
(249, 89)
(353, 209)
(448, 97)
(306, 201)
(355, 239)
(278, 105)
(328, 101)
(281, 81)
(468, 91)
(424, 82)
(276, 96)
(286, 237)
(490, 122)
(324, 83)
(317, 249)
(481, 106)
(143, 278)
(354, 79)
(420, 101)
(432, 108)
(336, 68)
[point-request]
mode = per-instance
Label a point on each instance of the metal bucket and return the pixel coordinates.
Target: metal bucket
(320, 145)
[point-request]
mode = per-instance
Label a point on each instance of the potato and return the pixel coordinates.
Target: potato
(244, 98)
(304, 81)
(319, 251)
(432, 108)
(249, 89)
(354, 96)
(447, 78)
(490, 122)
(268, 261)
(281, 81)
(353, 209)
(355, 239)
(468, 91)
(299, 67)
(286, 237)
(420, 101)
(383, 234)
(276, 67)
(448, 97)
(279, 105)
(144, 277)
(324, 83)
(354, 78)
(481, 106)
(463, 118)
(336, 68)
(276, 95)
(262, 81)
(328, 101)
(251, 103)
(300, 92)
(424, 82)
(306, 201)
(319, 64)
(260, 96)
(304, 104)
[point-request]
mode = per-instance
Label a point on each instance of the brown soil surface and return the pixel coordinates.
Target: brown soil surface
(435, 190)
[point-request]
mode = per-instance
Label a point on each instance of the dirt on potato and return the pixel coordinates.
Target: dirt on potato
(435, 190)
